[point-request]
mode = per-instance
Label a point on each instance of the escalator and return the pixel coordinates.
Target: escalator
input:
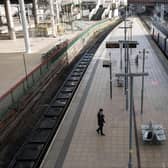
(98, 14)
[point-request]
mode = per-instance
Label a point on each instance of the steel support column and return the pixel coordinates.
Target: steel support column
(9, 18)
(58, 12)
(25, 26)
(35, 8)
(52, 18)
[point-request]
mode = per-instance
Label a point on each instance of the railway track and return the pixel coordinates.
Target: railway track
(35, 146)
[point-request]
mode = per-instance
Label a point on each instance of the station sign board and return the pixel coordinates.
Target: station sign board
(116, 44)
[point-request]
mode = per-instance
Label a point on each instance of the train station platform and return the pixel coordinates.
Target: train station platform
(77, 144)
(11, 53)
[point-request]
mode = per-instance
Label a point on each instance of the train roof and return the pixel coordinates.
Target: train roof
(161, 28)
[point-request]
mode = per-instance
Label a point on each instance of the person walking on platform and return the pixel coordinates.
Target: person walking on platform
(101, 121)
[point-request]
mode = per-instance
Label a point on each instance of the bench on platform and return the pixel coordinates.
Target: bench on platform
(153, 133)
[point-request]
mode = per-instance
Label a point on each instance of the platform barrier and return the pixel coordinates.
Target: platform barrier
(67, 50)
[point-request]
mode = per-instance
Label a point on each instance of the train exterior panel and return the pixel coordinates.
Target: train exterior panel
(161, 38)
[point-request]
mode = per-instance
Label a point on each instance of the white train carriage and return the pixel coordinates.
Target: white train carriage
(161, 37)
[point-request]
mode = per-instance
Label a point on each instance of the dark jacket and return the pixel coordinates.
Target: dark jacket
(100, 118)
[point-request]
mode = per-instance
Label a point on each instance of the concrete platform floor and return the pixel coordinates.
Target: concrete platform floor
(86, 149)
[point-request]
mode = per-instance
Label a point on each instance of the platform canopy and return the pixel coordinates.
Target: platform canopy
(147, 1)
